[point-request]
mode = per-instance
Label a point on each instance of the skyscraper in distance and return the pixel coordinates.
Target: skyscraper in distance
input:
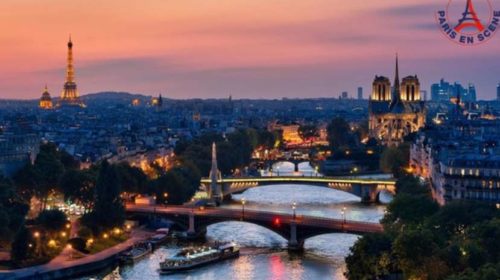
(498, 92)
(344, 95)
(360, 93)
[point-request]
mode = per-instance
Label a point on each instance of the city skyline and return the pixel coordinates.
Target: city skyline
(203, 49)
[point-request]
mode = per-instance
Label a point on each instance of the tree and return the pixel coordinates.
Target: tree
(267, 139)
(179, 183)
(395, 159)
(338, 133)
(79, 186)
(108, 209)
(12, 211)
(20, 246)
(411, 185)
(458, 217)
(409, 210)
(44, 175)
(308, 132)
(417, 255)
(370, 257)
(132, 179)
(52, 221)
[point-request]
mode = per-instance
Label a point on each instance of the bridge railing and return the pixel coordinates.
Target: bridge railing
(237, 213)
(387, 181)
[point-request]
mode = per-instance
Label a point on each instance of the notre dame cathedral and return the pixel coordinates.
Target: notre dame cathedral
(395, 112)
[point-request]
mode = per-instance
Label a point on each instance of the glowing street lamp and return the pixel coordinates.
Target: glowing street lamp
(343, 212)
(243, 201)
(52, 243)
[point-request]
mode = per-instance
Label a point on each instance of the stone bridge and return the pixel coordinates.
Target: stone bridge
(365, 188)
(294, 228)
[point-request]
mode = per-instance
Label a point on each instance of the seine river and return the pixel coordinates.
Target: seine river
(263, 253)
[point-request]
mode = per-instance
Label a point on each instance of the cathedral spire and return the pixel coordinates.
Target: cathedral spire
(396, 92)
(396, 79)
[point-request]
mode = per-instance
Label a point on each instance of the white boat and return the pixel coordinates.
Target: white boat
(193, 257)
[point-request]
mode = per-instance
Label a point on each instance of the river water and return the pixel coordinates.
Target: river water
(263, 253)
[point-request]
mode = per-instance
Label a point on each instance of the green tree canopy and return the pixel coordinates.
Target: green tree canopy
(339, 133)
(108, 209)
(52, 220)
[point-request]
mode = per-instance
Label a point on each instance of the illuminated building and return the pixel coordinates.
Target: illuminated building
(444, 91)
(395, 112)
(69, 94)
(157, 101)
(136, 102)
(45, 100)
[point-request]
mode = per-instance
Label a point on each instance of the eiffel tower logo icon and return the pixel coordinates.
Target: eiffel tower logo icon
(469, 19)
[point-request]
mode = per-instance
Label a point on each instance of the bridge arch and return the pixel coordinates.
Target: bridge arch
(294, 229)
(366, 188)
(248, 231)
(364, 193)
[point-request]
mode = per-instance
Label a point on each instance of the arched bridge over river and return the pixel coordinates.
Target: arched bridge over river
(295, 229)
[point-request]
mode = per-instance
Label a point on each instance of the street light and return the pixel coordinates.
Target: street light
(294, 206)
(165, 195)
(36, 234)
(343, 217)
(243, 201)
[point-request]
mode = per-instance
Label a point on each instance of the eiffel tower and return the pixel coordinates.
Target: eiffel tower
(469, 19)
(69, 96)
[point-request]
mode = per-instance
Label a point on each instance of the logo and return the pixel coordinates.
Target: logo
(469, 22)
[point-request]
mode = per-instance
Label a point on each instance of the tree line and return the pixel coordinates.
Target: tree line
(424, 241)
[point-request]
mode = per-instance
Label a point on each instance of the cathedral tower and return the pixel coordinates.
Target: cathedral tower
(395, 112)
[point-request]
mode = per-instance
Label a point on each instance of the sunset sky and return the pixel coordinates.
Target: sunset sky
(243, 48)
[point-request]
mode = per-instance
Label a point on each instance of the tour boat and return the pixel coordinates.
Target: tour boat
(193, 257)
(136, 253)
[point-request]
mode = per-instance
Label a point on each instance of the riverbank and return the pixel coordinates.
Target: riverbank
(64, 266)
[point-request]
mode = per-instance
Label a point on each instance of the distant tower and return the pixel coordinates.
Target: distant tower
(69, 95)
(344, 95)
(157, 101)
(45, 100)
(360, 93)
(215, 189)
(160, 101)
(498, 92)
